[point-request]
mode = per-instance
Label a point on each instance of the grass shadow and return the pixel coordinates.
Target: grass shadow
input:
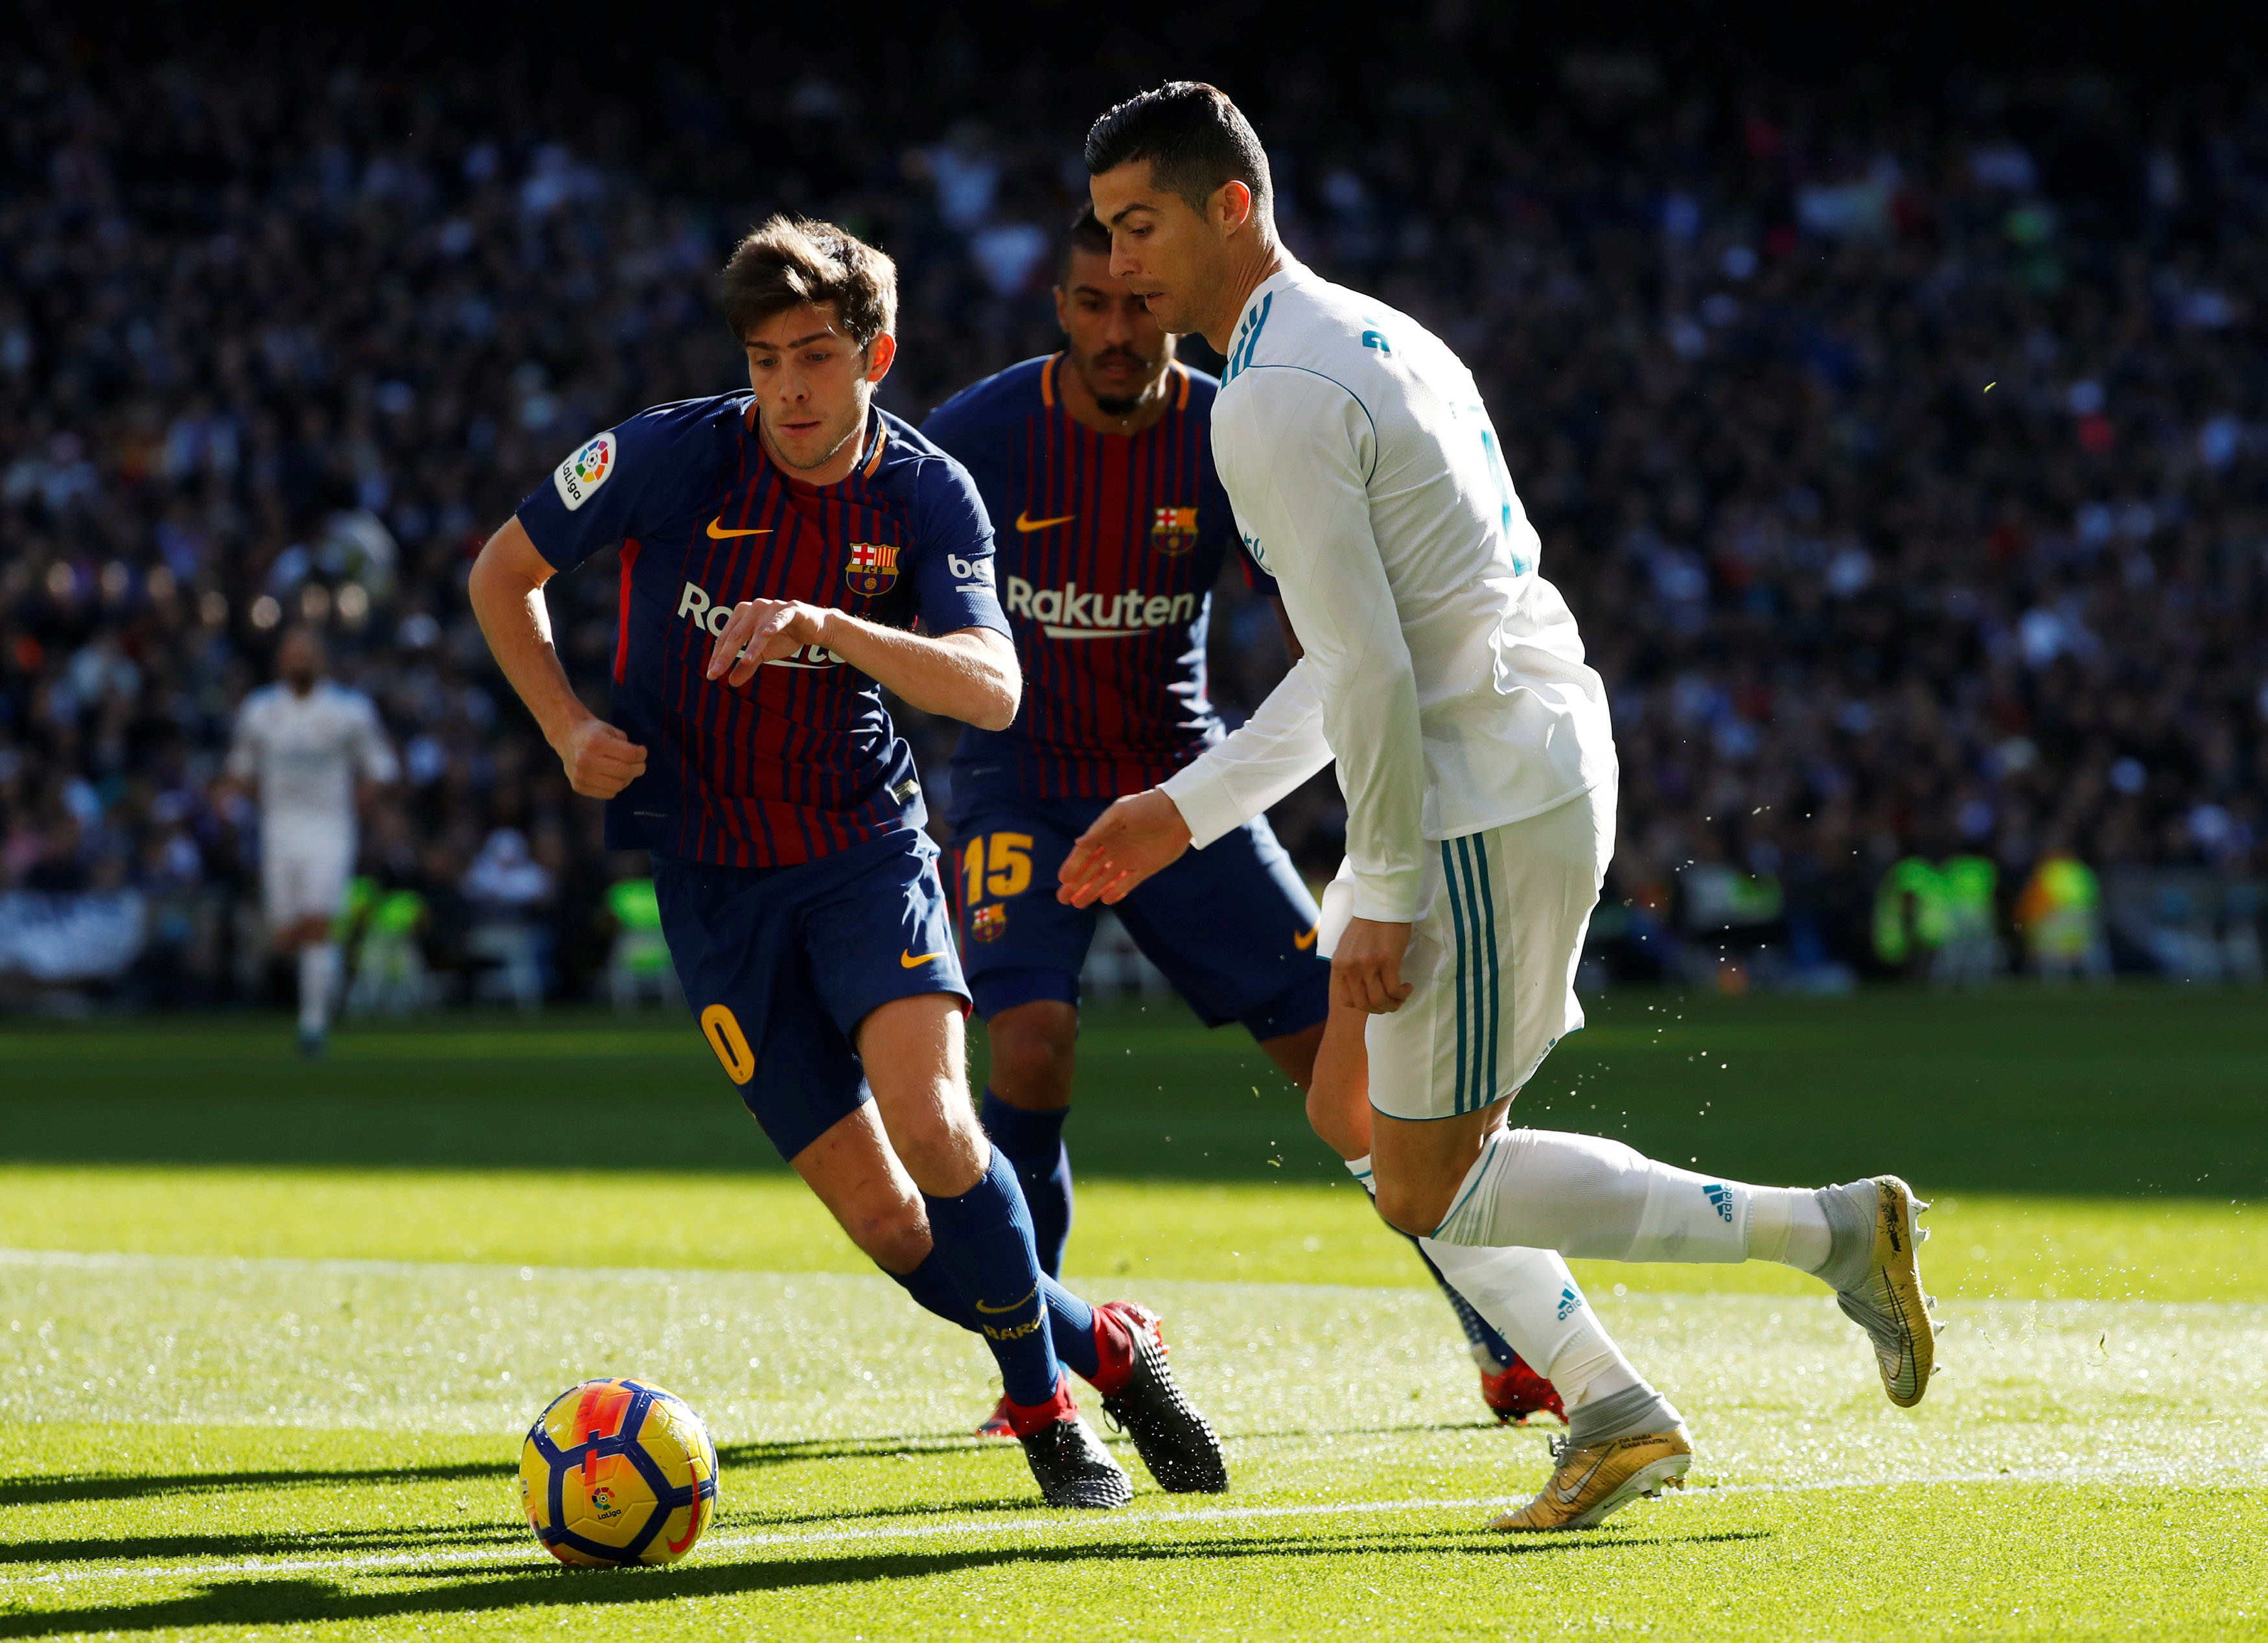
(52, 1491)
(412, 1538)
(313, 1602)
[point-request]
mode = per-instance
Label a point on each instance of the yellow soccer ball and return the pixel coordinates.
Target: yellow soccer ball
(618, 1471)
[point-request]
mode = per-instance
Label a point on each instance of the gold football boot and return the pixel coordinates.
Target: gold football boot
(1588, 1483)
(1887, 1302)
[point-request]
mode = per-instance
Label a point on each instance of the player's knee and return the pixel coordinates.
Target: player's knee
(1034, 1046)
(943, 1149)
(1415, 1208)
(894, 1236)
(1341, 1124)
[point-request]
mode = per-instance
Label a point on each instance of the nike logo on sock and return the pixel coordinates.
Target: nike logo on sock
(1011, 1307)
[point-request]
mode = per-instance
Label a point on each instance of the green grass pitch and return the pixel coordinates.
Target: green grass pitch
(269, 1333)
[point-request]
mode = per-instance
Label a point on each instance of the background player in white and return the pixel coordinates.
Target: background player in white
(306, 744)
(1474, 747)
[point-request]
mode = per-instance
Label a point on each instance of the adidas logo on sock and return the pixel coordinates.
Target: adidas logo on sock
(1569, 1300)
(1721, 1196)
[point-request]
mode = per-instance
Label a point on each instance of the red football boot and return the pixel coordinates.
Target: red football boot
(1515, 1392)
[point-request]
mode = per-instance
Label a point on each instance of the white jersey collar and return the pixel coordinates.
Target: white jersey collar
(1253, 323)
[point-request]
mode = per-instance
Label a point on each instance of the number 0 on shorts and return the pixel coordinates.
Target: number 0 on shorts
(722, 1028)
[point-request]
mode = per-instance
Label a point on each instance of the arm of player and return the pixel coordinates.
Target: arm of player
(242, 768)
(1295, 451)
(1255, 765)
(1235, 779)
(969, 675)
(506, 588)
(375, 766)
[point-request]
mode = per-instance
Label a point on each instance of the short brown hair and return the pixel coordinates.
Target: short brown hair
(790, 261)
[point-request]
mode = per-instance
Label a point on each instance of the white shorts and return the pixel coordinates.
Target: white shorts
(1491, 958)
(304, 867)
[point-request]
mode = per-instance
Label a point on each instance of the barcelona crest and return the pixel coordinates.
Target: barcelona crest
(873, 569)
(987, 923)
(1172, 530)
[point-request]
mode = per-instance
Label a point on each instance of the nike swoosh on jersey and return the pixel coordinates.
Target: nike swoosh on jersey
(1026, 524)
(720, 536)
(915, 961)
(1307, 938)
(1011, 1307)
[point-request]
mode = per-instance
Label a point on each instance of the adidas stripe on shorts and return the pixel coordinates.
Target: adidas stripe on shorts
(1492, 960)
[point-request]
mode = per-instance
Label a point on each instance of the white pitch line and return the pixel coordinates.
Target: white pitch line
(137, 1260)
(982, 1529)
(332, 1266)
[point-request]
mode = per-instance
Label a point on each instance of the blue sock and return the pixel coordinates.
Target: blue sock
(1034, 1144)
(983, 1239)
(1071, 1324)
(1071, 1320)
(1477, 1331)
(931, 1288)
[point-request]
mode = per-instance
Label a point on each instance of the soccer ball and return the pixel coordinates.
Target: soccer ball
(618, 1471)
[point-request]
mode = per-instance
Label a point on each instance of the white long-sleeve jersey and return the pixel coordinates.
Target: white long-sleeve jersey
(306, 750)
(1441, 671)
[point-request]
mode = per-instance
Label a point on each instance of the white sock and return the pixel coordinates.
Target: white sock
(1530, 1297)
(319, 970)
(1587, 1196)
(1787, 1225)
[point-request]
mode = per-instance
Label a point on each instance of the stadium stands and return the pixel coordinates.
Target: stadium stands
(1906, 460)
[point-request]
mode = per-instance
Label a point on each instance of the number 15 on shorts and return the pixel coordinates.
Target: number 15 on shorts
(998, 864)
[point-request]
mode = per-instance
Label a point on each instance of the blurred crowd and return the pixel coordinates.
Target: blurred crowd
(1905, 461)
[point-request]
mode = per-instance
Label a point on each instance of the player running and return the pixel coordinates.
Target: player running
(778, 549)
(1447, 679)
(305, 744)
(1096, 463)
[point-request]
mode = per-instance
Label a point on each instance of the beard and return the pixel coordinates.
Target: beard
(1118, 404)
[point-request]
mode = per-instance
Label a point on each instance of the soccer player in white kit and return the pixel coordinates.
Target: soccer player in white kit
(1447, 679)
(305, 741)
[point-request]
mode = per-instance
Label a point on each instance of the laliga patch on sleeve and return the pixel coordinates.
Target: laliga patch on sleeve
(583, 473)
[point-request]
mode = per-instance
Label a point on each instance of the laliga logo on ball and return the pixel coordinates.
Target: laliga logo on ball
(618, 1472)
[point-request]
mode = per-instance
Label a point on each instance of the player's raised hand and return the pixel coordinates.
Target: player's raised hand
(600, 760)
(1366, 967)
(1134, 838)
(761, 631)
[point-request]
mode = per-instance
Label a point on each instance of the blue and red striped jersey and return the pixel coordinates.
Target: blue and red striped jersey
(1109, 546)
(803, 760)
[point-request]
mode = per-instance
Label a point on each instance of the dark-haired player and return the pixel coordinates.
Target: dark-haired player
(1096, 466)
(786, 554)
(1445, 679)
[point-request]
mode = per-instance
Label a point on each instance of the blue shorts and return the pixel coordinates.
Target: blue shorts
(1230, 926)
(781, 964)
